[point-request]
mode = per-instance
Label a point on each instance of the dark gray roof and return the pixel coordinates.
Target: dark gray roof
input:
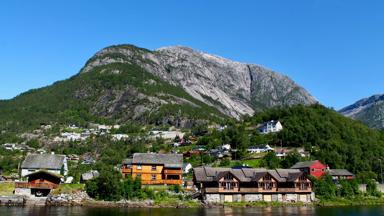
(168, 160)
(208, 174)
(127, 161)
(43, 161)
(339, 172)
(46, 172)
(303, 164)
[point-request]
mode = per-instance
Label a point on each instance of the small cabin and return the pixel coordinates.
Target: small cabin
(39, 183)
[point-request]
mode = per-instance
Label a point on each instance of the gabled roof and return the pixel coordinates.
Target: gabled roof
(224, 173)
(43, 161)
(304, 164)
(339, 172)
(168, 160)
(44, 172)
(210, 174)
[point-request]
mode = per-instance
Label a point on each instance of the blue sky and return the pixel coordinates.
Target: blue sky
(333, 48)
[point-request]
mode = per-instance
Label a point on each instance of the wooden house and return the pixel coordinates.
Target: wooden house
(314, 168)
(49, 162)
(248, 184)
(339, 174)
(155, 169)
(39, 183)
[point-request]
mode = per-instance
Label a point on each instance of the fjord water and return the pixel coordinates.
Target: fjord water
(272, 211)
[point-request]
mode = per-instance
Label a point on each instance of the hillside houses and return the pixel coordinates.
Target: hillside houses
(260, 149)
(270, 127)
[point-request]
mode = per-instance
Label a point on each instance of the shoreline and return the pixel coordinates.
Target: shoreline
(198, 204)
(62, 200)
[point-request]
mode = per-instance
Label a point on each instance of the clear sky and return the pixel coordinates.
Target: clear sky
(333, 48)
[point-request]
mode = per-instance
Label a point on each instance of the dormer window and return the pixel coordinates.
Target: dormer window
(228, 177)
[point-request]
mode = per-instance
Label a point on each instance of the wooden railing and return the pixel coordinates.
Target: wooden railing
(169, 171)
(163, 181)
(35, 185)
(126, 170)
(293, 190)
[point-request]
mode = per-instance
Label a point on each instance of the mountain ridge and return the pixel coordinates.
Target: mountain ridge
(368, 110)
(179, 65)
(171, 85)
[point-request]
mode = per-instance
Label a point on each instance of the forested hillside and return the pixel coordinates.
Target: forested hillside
(336, 140)
(114, 93)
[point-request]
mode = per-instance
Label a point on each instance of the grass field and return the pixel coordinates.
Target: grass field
(7, 188)
(68, 188)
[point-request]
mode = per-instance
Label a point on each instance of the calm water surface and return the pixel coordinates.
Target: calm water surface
(273, 211)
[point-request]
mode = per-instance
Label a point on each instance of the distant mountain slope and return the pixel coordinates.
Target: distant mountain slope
(368, 110)
(173, 85)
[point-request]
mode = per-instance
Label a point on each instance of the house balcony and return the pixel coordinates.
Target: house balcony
(162, 182)
(41, 185)
(173, 172)
(294, 190)
(126, 170)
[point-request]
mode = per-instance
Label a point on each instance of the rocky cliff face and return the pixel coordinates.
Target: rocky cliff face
(232, 87)
(368, 110)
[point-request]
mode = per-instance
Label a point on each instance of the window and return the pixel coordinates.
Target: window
(303, 178)
(153, 168)
(153, 177)
(303, 186)
(139, 167)
(138, 175)
(229, 185)
(228, 177)
(267, 178)
(313, 170)
(268, 186)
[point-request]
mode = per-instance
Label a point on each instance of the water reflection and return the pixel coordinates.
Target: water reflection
(268, 211)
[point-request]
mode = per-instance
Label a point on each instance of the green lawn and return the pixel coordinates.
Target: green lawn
(68, 188)
(7, 188)
(252, 163)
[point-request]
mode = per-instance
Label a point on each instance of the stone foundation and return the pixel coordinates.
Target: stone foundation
(217, 198)
(23, 191)
(213, 198)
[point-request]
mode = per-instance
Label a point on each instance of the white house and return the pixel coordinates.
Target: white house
(187, 167)
(49, 162)
(225, 147)
(270, 127)
(260, 149)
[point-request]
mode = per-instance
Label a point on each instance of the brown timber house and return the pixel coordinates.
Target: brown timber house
(248, 184)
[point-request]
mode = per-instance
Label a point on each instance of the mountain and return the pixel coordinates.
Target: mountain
(172, 85)
(368, 110)
(234, 88)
